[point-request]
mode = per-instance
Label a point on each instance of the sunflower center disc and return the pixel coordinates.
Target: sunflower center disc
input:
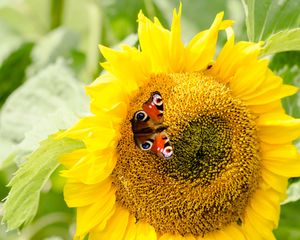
(215, 168)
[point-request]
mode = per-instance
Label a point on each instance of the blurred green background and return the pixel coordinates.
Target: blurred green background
(49, 51)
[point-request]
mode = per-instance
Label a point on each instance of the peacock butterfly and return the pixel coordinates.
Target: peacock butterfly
(148, 128)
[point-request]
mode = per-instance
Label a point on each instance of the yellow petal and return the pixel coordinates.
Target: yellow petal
(231, 232)
(283, 160)
(274, 106)
(93, 169)
(115, 227)
(277, 128)
(96, 132)
(208, 236)
(200, 51)
(189, 237)
(90, 216)
(102, 225)
(77, 194)
(70, 159)
(164, 48)
(216, 69)
(169, 236)
(277, 182)
(232, 57)
(101, 138)
(280, 153)
(270, 91)
(221, 235)
(268, 81)
(134, 68)
(155, 43)
(145, 231)
(176, 45)
(248, 78)
(112, 94)
(251, 232)
(266, 204)
(234, 231)
(78, 238)
(291, 169)
(130, 232)
(260, 227)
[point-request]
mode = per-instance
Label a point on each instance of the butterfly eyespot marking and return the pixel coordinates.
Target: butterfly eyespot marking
(140, 115)
(157, 99)
(167, 152)
(146, 145)
(148, 127)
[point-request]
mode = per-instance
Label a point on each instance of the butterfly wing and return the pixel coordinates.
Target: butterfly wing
(143, 130)
(150, 119)
(154, 107)
(148, 128)
(161, 145)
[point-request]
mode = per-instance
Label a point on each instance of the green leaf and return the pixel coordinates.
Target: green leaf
(22, 201)
(276, 22)
(90, 30)
(11, 76)
(10, 41)
(287, 65)
(119, 20)
(289, 59)
(77, 61)
(287, 40)
(6, 156)
(51, 100)
(289, 225)
(293, 193)
(266, 17)
(4, 235)
(28, 18)
(292, 103)
(56, 44)
(57, 7)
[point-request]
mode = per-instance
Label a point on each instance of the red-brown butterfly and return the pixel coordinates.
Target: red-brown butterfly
(148, 128)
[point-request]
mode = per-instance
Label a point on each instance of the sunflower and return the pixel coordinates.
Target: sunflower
(231, 141)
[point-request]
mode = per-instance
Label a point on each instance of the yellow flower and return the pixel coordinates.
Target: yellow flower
(231, 139)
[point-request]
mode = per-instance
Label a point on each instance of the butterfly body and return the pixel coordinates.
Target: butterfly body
(148, 128)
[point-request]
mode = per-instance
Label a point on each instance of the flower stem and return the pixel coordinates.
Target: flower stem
(57, 7)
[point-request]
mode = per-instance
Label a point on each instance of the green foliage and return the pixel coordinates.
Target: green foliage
(51, 100)
(266, 17)
(53, 219)
(289, 225)
(293, 192)
(275, 21)
(57, 7)
(287, 65)
(29, 18)
(56, 44)
(10, 41)
(289, 59)
(287, 40)
(12, 70)
(89, 24)
(21, 204)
